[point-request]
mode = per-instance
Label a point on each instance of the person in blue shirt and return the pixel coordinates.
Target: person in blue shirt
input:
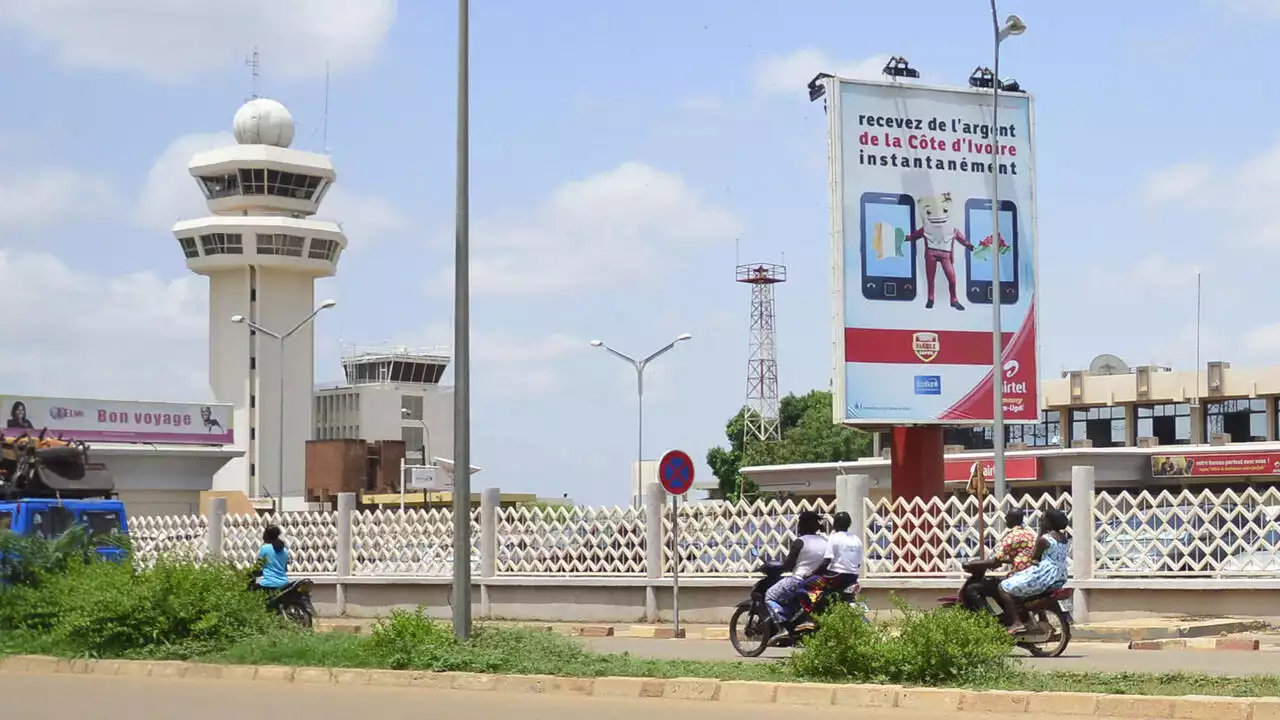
(274, 557)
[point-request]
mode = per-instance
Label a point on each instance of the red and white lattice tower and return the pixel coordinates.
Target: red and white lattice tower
(762, 365)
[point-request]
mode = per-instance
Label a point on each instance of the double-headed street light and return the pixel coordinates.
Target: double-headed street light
(280, 338)
(1012, 26)
(640, 365)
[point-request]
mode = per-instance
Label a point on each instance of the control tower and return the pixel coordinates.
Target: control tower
(262, 252)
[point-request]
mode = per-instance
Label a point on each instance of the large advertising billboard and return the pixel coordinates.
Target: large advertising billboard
(913, 248)
(117, 420)
(1215, 465)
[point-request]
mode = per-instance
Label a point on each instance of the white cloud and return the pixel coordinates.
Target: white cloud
(1176, 183)
(1264, 342)
(179, 40)
(170, 194)
(1156, 271)
(507, 364)
(71, 332)
(1228, 198)
(34, 198)
(607, 229)
(1250, 9)
(781, 74)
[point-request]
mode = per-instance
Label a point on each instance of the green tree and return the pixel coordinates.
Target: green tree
(808, 435)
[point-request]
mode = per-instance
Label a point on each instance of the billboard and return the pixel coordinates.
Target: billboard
(1215, 465)
(1015, 469)
(118, 420)
(913, 248)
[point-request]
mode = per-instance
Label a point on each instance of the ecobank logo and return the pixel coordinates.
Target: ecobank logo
(928, 384)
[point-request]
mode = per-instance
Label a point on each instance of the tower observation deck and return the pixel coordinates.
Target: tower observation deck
(262, 250)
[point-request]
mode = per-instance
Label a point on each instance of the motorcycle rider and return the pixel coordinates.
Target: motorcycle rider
(807, 553)
(841, 565)
(1015, 550)
(274, 558)
(1048, 571)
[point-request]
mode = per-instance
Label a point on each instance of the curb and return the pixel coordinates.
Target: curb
(1202, 629)
(1237, 644)
(937, 700)
(647, 632)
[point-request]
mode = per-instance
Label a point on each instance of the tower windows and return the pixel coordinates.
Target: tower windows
(222, 244)
(280, 244)
(323, 249)
(189, 247)
(261, 181)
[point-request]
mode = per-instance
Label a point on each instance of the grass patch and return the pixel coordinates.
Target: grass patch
(1161, 684)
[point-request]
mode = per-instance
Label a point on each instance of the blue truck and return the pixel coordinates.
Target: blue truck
(46, 489)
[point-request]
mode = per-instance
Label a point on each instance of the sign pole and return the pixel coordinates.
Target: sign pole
(675, 472)
(675, 564)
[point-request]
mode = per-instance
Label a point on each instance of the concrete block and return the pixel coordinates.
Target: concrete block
(1266, 708)
(867, 696)
(715, 633)
(390, 678)
(273, 673)
(806, 694)
(655, 632)
(31, 664)
(350, 676)
(930, 699)
(171, 670)
(134, 668)
(521, 684)
(994, 701)
(313, 675)
(1245, 644)
(105, 667)
(76, 666)
(748, 691)
(203, 671)
(239, 673)
(618, 687)
(1062, 703)
(1195, 707)
(430, 680)
(595, 631)
(691, 689)
(474, 682)
(571, 686)
(1158, 645)
(1135, 706)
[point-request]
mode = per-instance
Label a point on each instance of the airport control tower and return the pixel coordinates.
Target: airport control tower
(262, 253)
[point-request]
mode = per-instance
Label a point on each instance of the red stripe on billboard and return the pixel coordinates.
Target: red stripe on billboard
(942, 347)
(1019, 381)
(1015, 468)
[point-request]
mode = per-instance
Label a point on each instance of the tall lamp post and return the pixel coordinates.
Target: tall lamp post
(640, 365)
(426, 435)
(462, 342)
(1012, 26)
(280, 338)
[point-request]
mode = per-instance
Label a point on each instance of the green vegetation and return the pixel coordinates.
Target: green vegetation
(808, 435)
(75, 605)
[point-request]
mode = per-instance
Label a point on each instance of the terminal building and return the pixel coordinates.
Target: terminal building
(1141, 428)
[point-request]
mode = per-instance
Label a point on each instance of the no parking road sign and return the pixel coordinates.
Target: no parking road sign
(675, 472)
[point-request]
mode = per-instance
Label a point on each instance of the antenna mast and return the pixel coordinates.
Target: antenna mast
(1195, 401)
(762, 421)
(324, 135)
(253, 63)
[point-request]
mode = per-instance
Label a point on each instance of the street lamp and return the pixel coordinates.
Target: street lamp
(426, 435)
(280, 338)
(1012, 26)
(640, 365)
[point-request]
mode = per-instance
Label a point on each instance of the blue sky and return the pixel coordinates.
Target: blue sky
(624, 157)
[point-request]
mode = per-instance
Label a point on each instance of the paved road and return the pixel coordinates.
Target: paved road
(1102, 657)
(37, 697)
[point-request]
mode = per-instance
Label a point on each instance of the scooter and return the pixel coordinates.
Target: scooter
(752, 629)
(293, 601)
(1047, 617)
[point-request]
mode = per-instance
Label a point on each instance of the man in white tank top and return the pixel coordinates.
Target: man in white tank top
(806, 555)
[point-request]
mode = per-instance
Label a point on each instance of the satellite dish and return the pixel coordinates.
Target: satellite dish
(1108, 364)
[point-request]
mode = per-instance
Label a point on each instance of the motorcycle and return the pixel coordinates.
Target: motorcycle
(1047, 616)
(752, 629)
(293, 601)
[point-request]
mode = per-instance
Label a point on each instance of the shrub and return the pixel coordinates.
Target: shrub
(946, 646)
(29, 560)
(175, 609)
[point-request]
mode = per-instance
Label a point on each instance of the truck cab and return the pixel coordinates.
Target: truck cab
(50, 517)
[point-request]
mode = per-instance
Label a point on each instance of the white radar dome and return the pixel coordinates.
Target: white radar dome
(263, 122)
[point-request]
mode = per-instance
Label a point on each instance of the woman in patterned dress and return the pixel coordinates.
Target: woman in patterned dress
(1049, 571)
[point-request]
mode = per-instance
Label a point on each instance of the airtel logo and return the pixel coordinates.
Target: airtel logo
(1011, 369)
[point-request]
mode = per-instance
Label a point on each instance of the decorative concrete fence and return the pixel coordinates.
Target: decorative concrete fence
(527, 557)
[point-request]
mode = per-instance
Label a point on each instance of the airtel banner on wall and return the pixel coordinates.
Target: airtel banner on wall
(1015, 469)
(118, 420)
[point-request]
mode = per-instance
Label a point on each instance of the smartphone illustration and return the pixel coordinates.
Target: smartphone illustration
(888, 258)
(978, 267)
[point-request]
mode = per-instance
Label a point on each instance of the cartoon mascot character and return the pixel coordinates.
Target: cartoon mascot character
(939, 237)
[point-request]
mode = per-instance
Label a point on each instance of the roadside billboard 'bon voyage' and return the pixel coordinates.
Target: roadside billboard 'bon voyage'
(913, 250)
(118, 420)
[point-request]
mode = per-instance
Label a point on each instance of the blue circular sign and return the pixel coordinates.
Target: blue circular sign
(675, 472)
